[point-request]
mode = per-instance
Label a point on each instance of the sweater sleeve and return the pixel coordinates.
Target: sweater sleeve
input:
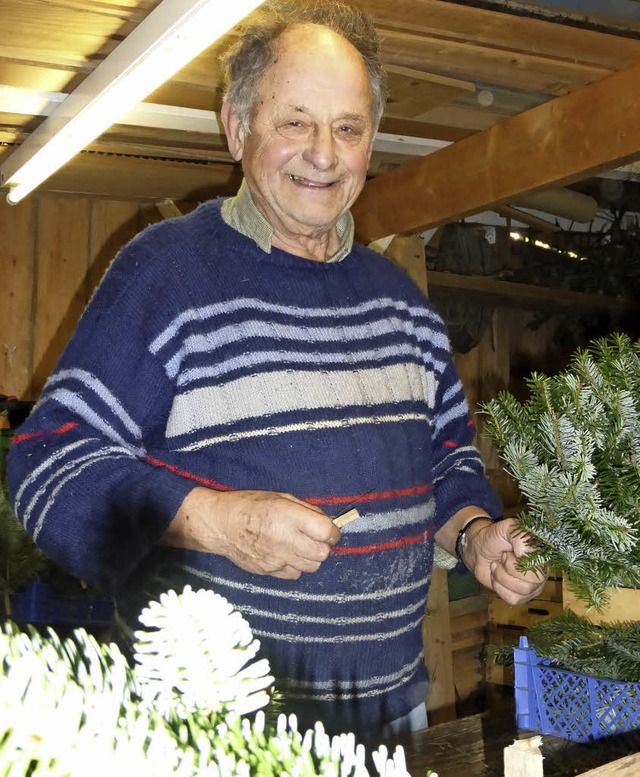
(459, 477)
(79, 471)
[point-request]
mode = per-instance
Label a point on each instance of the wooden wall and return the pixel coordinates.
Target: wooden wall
(53, 251)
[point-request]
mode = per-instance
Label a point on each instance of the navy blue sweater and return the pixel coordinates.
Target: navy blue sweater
(202, 360)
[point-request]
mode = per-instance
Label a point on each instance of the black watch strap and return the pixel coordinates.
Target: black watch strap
(461, 540)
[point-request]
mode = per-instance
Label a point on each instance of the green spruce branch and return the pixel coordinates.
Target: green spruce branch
(20, 559)
(575, 644)
(573, 448)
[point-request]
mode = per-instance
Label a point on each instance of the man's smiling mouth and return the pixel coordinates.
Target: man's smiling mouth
(311, 184)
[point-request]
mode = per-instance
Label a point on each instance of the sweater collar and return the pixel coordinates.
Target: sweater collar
(241, 214)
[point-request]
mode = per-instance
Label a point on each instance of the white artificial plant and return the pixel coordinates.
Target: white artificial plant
(74, 707)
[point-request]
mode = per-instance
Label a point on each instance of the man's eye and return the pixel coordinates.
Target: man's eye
(349, 133)
(292, 128)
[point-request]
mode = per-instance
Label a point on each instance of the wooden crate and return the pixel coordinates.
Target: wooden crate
(624, 605)
(469, 623)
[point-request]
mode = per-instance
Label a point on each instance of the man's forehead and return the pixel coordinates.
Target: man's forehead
(299, 36)
(302, 108)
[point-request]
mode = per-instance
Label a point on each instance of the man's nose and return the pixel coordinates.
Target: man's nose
(321, 151)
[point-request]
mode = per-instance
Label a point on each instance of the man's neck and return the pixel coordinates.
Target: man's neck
(241, 213)
(317, 248)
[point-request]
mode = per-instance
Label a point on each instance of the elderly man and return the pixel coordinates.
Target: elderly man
(247, 372)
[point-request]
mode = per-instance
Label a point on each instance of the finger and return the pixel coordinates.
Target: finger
(313, 551)
(505, 575)
(287, 573)
(522, 544)
(320, 529)
(536, 577)
(306, 505)
(308, 567)
(514, 592)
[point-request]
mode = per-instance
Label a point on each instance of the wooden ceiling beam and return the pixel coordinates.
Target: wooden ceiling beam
(494, 29)
(561, 141)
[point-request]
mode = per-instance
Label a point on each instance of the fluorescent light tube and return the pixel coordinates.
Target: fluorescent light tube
(173, 34)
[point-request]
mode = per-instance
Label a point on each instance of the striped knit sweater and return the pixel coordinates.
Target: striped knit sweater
(202, 360)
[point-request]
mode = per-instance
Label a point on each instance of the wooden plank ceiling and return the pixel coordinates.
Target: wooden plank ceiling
(486, 104)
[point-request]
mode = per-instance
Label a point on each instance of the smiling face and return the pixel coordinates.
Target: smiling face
(306, 157)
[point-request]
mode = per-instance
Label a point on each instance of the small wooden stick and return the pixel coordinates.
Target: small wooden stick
(345, 518)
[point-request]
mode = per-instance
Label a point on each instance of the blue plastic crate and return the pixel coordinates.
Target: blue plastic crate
(570, 705)
(37, 604)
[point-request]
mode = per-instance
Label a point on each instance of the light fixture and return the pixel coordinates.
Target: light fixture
(170, 36)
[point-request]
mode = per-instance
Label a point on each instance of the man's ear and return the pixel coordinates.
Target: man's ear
(233, 129)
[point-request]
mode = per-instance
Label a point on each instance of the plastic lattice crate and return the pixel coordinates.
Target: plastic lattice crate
(570, 705)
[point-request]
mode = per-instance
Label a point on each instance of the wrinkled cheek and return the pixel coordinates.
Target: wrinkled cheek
(359, 166)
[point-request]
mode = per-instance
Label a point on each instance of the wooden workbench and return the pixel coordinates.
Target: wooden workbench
(474, 747)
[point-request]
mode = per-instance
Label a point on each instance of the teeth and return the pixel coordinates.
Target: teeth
(309, 182)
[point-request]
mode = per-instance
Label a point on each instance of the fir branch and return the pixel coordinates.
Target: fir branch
(573, 448)
(20, 560)
(574, 643)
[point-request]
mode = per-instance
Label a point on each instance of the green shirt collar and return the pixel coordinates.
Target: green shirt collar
(241, 214)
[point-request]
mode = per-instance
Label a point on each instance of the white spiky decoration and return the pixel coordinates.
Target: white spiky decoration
(196, 650)
(75, 707)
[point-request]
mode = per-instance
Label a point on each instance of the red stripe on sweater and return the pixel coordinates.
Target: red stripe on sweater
(450, 444)
(183, 473)
(403, 543)
(329, 500)
(62, 430)
(371, 497)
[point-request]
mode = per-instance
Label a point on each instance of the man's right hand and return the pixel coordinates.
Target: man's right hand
(263, 532)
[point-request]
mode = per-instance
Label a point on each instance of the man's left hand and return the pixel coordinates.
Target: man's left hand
(492, 552)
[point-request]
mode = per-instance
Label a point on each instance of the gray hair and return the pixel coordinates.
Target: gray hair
(245, 62)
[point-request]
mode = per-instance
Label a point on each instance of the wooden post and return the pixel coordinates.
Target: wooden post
(408, 252)
(436, 635)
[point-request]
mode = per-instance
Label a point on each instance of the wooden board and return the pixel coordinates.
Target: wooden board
(623, 767)
(490, 65)
(469, 623)
(436, 633)
(438, 21)
(521, 295)
(114, 177)
(61, 281)
(17, 261)
(413, 92)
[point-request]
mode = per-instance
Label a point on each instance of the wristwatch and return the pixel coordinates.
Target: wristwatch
(461, 541)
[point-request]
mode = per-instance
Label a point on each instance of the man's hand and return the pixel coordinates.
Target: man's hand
(492, 552)
(263, 532)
